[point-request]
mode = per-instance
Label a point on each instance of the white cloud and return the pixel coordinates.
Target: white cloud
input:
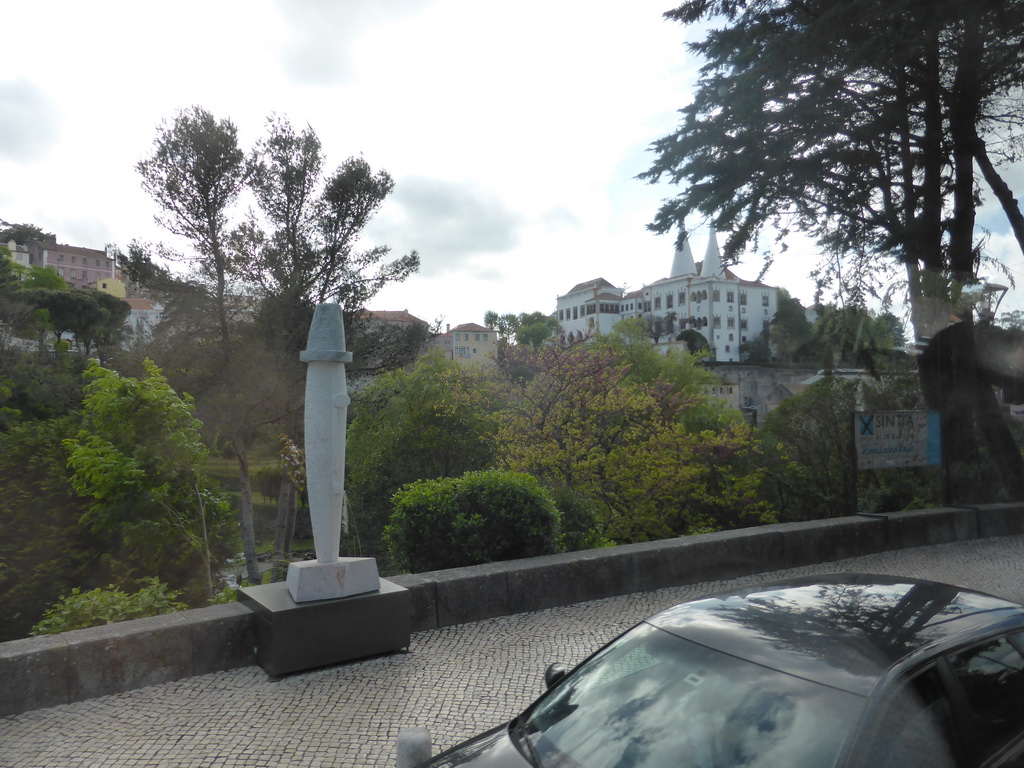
(29, 122)
(449, 223)
(320, 34)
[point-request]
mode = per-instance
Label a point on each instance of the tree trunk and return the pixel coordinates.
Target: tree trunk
(963, 120)
(284, 527)
(204, 543)
(1001, 190)
(248, 525)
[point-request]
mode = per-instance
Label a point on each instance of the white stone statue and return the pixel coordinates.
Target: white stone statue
(327, 400)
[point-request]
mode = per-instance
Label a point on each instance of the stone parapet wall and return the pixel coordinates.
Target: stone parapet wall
(73, 666)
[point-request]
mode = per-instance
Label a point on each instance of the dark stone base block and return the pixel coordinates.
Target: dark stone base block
(291, 636)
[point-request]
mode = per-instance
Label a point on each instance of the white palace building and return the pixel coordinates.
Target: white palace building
(705, 297)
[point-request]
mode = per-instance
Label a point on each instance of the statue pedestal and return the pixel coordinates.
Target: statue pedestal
(312, 580)
(291, 636)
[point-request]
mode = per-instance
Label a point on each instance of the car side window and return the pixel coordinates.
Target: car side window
(919, 719)
(992, 678)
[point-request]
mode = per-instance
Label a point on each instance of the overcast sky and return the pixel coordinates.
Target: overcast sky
(513, 131)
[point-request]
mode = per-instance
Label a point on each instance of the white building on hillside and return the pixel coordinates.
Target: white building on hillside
(590, 308)
(706, 298)
(145, 315)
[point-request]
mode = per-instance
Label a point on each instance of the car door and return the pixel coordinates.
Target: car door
(987, 684)
(962, 710)
(914, 726)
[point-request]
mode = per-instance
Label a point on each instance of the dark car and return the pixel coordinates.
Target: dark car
(835, 670)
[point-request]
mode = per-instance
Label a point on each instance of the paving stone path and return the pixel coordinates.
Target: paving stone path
(455, 682)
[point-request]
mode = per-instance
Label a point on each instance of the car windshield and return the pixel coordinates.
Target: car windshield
(653, 699)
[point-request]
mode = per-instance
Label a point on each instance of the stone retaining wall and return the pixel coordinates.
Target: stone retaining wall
(72, 666)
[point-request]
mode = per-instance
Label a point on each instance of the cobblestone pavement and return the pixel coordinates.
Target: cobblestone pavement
(455, 682)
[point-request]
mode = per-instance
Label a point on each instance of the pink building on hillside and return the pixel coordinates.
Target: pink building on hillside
(80, 267)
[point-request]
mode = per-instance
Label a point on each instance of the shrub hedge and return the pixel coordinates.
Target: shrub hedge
(480, 517)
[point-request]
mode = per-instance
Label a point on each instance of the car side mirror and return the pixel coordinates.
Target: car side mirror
(554, 673)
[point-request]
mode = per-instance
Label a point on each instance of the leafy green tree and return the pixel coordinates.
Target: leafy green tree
(529, 328)
(431, 422)
(806, 441)
(44, 551)
(896, 331)
(789, 332)
(480, 517)
(45, 278)
(809, 437)
(506, 325)
(677, 372)
(535, 328)
(864, 124)
(42, 387)
(575, 419)
(24, 233)
(758, 349)
(196, 173)
(298, 249)
(8, 415)
(1013, 320)
(15, 316)
(94, 318)
(850, 119)
(10, 272)
(80, 610)
(304, 250)
(314, 222)
(140, 458)
(850, 337)
(628, 341)
(696, 342)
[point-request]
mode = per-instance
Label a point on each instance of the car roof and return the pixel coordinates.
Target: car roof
(842, 630)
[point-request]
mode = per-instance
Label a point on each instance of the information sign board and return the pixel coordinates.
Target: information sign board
(885, 439)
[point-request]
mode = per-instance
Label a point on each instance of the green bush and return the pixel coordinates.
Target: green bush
(79, 610)
(581, 521)
(481, 517)
(267, 481)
